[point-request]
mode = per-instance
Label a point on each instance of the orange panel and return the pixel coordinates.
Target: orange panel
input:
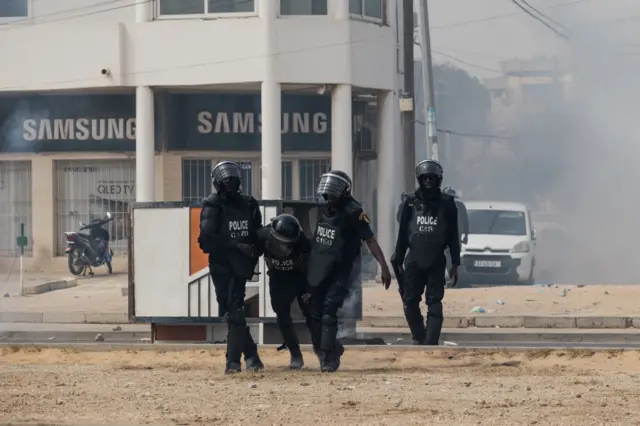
(198, 260)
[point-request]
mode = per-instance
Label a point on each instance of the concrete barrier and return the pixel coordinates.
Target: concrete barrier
(50, 286)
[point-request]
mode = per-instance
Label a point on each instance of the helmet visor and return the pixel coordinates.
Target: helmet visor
(331, 186)
(279, 246)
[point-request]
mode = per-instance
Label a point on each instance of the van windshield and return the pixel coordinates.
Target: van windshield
(497, 222)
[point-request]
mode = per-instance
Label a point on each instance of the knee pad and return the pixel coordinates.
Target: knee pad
(435, 310)
(237, 318)
(329, 321)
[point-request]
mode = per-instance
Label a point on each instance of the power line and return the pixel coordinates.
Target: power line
(471, 135)
(553, 21)
(453, 58)
(537, 18)
(502, 16)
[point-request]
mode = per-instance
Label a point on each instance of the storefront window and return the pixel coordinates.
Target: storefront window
(303, 7)
(87, 190)
(200, 7)
(15, 205)
(310, 172)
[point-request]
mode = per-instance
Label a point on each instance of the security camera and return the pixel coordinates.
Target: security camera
(105, 71)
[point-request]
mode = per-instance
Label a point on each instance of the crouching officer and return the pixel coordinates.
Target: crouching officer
(428, 225)
(341, 227)
(228, 225)
(286, 251)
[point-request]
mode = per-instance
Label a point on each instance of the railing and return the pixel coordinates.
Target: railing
(205, 279)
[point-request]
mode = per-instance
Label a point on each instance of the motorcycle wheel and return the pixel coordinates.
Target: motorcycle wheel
(76, 265)
(109, 269)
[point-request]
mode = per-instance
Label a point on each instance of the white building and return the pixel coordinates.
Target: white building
(107, 102)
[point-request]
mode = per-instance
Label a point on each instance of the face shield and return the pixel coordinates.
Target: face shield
(332, 187)
(278, 245)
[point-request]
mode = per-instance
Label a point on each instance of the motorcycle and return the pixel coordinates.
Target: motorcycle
(87, 251)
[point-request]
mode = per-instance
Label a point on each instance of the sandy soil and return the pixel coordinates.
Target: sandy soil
(608, 300)
(374, 387)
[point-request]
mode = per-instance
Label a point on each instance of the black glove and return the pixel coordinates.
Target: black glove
(247, 249)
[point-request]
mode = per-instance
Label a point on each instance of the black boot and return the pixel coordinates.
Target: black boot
(292, 343)
(254, 364)
(331, 349)
(416, 326)
(434, 328)
(296, 361)
(232, 368)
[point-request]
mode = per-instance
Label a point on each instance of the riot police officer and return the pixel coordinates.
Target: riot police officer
(286, 252)
(463, 216)
(341, 227)
(228, 225)
(428, 225)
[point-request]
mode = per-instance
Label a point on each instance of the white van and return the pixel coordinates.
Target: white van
(501, 246)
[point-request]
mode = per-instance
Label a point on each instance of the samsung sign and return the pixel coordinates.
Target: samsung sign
(82, 129)
(248, 122)
(204, 122)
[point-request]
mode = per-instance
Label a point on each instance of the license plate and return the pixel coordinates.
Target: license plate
(487, 263)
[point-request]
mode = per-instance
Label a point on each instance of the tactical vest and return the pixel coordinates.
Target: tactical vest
(427, 231)
(326, 247)
(236, 224)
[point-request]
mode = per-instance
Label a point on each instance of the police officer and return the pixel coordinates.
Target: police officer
(341, 226)
(463, 216)
(428, 225)
(228, 225)
(286, 251)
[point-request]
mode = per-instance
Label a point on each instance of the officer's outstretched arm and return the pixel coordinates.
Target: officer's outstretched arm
(453, 237)
(366, 234)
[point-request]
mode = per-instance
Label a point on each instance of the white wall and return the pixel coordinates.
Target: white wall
(56, 51)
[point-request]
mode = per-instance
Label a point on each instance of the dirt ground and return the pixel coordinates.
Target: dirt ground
(607, 300)
(374, 387)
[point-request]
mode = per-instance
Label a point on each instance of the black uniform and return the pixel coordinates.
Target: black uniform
(287, 283)
(340, 230)
(228, 225)
(428, 225)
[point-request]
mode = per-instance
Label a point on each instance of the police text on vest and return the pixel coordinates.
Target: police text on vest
(325, 236)
(238, 228)
(426, 224)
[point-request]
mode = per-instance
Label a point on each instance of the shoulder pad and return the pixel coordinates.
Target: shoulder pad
(447, 197)
(211, 200)
(352, 206)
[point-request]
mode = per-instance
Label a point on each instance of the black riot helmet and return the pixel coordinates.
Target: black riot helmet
(429, 174)
(226, 177)
(334, 185)
(450, 191)
(285, 232)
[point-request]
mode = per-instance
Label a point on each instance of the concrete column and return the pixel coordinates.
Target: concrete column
(388, 191)
(145, 146)
(271, 105)
(340, 9)
(144, 11)
(341, 129)
(44, 212)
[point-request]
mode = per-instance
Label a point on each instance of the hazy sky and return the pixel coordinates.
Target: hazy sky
(484, 32)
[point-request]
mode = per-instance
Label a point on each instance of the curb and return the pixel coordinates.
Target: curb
(567, 322)
(64, 318)
(51, 286)
(458, 322)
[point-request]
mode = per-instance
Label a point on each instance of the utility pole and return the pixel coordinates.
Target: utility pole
(408, 114)
(427, 81)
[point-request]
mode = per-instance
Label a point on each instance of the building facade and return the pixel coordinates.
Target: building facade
(104, 104)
